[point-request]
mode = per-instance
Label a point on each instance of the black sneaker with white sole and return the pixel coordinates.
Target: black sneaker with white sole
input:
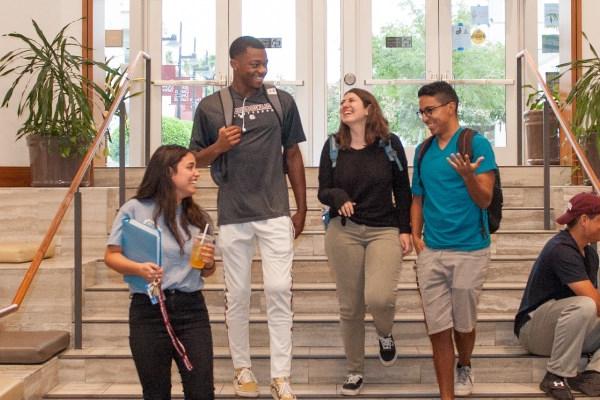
(352, 385)
(387, 350)
(556, 387)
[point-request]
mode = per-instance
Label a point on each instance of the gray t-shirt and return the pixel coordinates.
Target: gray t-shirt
(255, 187)
(177, 273)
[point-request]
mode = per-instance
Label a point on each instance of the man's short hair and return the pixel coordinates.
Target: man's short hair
(441, 90)
(239, 45)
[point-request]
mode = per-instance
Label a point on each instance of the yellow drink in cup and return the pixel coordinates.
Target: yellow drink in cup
(200, 242)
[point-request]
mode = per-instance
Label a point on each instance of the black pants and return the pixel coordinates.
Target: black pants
(153, 351)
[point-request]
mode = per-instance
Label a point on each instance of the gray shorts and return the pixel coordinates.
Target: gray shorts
(450, 283)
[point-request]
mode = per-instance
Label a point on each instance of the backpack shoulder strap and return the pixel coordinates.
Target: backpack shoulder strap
(391, 153)
(227, 105)
(273, 97)
(333, 150)
(465, 142)
(422, 150)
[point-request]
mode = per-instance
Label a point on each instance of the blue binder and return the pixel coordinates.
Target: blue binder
(141, 243)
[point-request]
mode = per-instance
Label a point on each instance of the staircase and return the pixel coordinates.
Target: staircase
(104, 369)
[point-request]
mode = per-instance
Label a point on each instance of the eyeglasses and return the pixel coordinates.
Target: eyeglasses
(428, 111)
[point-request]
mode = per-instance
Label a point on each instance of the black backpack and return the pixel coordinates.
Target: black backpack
(465, 142)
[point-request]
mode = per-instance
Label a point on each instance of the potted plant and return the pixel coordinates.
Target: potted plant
(586, 96)
(56, 100)
(534, 129)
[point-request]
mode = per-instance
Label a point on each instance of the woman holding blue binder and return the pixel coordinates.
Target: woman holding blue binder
(182, 332)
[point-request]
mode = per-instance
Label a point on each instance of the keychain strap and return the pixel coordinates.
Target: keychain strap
(179, 347)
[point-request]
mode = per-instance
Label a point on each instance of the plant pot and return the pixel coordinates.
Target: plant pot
(592, 153)
(48, 167)
(534, 135)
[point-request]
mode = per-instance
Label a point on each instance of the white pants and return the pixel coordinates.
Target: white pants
(276, 243)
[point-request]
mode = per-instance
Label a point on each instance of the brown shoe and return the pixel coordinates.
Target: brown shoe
(587, 382)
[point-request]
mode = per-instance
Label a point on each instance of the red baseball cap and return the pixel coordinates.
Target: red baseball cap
(582, 203)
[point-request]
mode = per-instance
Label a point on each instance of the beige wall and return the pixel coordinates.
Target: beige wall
(589, 24)
(16, 16)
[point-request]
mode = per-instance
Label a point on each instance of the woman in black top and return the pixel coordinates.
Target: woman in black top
(369, 231)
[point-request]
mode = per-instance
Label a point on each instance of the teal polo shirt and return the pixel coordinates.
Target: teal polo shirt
(452, 220)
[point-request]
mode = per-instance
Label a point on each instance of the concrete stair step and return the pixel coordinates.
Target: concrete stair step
(514, 196)
(28, 382)
(511, 176)
(315, 269)
(509, 242)
(315, 330)
(315, 365)
(371, 391)
(522, 218)
(307, 298)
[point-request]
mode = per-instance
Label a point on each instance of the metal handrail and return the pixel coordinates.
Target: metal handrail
(585, 164)
(549, 106)
(73, 189)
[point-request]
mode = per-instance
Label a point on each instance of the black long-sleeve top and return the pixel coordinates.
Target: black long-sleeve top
(368, 178)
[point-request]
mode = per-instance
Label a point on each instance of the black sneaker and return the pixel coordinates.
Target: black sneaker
(352, 385)
(387, 350)
(556, 387)
(588, 382)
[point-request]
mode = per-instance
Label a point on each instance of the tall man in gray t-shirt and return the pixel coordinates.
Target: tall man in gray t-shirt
(247, 161)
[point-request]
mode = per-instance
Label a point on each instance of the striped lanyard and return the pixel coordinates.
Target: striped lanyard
(165, 317)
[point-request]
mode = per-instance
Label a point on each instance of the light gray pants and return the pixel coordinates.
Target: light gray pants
(564, 330)
(366, 261)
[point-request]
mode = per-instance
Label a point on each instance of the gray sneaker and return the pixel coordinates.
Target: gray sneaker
(463, 381)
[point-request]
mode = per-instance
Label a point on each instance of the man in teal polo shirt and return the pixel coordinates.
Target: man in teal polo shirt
(450, 195)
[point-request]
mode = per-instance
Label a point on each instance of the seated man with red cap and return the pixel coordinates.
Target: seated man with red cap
(559, 312)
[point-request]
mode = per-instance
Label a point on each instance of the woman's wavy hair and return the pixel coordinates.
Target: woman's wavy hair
(376, 127)
(158, 186)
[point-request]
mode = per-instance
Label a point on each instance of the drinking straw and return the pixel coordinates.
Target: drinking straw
(204, 234)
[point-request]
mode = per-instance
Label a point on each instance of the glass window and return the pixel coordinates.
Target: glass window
(278, 32)
(478, 39)
(548, 38)
(398, 41)
(334, 54)
(188, 53)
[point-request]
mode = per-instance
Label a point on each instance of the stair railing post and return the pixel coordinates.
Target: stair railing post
(520, 110)
(147, 90)
(78, 273)
(122, 125)
(546, 149)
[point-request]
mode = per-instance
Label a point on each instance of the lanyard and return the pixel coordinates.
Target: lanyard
(179, 347)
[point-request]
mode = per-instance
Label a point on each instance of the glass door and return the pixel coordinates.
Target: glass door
(393, 47)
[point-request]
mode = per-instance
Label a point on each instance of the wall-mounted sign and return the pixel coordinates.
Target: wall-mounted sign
(113, 38)
(551, 15)
(549, 43)
(461, 37)
(271, 43)
(398, 42)
(480, 15)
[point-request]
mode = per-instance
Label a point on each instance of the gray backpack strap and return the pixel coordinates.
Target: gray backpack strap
(333, 150)
(227, 104)
(273, 98)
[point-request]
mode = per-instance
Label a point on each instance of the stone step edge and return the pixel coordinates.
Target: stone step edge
(410, 257)
(317, 287)
(404, 352)
(309, 318)
(304, 391)
(213, 208)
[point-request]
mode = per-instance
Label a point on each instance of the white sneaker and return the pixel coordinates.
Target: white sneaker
(281, 389)
(244, 383)
(352, 385)
(463, 381)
